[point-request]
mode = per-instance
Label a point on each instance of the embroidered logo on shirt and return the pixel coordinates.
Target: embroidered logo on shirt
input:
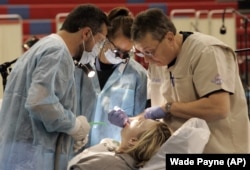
(217, 80)
(156, 80)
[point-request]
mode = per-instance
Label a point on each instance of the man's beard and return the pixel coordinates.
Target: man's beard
(79, 53)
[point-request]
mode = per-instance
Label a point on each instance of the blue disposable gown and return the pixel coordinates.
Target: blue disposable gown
(38, 106)
(126, 88)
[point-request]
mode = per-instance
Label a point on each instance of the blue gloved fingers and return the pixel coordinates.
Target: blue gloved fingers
(155, 112)
(148, 114)
(122, 116)
(118, 118)
(113, 116)
(121, 113)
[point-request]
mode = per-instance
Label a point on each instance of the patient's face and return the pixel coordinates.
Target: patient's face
(137, 125)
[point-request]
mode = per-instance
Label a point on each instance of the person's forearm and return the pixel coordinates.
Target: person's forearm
(214, 107)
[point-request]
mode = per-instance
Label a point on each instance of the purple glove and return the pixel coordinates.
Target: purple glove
(118, 117)
(155, 112)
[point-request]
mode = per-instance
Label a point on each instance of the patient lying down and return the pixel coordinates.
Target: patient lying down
(140, 140)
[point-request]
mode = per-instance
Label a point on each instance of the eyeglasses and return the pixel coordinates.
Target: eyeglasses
(149, 54)
(119, 53)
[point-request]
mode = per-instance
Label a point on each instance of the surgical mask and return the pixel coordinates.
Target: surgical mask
(89, 57)
(111, 57)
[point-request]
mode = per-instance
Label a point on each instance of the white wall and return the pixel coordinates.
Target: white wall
(11, 37)
(208, 22)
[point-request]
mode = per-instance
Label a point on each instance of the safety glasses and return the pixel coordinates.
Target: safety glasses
(147, 53)
(119, 53)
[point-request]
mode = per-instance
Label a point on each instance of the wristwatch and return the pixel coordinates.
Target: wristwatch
(168, 107)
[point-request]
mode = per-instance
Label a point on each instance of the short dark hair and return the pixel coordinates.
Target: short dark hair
(153, 21)
(86, 15)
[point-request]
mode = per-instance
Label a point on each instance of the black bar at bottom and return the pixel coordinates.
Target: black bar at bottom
(208, 161)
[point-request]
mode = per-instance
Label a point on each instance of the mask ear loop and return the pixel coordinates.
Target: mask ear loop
(93, 40)
(83, 44)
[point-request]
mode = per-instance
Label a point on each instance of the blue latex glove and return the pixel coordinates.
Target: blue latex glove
(118, 117)
(155, 112)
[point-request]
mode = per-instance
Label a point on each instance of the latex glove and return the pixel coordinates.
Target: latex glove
(155, 112)
(118, 117)
(81, 129)
(78, 145)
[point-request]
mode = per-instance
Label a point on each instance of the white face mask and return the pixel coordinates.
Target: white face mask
(89, 57)
(86, 56)
(111, 57)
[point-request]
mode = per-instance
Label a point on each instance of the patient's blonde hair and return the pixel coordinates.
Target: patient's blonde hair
(149, 143)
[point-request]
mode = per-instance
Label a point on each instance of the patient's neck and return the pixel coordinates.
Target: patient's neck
(123, 148)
